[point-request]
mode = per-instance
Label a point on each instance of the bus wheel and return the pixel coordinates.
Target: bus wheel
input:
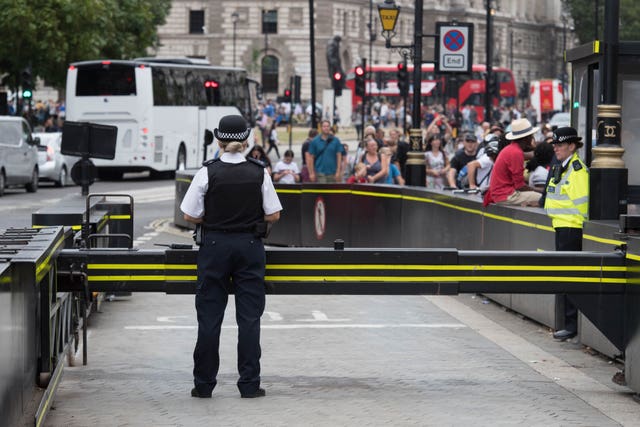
(181, 164)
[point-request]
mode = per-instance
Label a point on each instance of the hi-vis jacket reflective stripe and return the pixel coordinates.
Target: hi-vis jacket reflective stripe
(567, 201)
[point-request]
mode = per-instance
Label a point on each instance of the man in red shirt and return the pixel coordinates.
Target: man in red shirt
(507, 186)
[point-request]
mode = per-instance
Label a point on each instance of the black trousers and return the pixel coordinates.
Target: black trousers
(225, 260)
(569, 239)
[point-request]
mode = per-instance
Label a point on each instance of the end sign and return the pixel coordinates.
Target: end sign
(454, 50)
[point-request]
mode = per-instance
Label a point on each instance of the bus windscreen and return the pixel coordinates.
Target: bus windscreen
(106, 80)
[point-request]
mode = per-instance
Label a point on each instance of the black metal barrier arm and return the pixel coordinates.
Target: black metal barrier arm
(361, 271)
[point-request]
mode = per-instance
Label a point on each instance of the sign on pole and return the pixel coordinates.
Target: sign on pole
(454, 51)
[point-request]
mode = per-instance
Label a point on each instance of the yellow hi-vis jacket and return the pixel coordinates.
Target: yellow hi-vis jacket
(567, 201)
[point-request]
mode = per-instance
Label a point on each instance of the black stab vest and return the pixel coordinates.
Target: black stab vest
(233, 202)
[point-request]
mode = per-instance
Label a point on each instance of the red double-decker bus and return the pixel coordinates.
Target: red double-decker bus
(382, 83)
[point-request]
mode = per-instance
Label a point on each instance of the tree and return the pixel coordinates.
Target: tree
(49, 34)
(583, 14)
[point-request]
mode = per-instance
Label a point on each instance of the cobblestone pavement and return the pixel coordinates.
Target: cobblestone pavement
(338, 361)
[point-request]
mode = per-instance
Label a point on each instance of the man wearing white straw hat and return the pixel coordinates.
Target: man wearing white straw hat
(507, 186)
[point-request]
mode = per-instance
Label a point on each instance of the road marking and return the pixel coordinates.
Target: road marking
(319, 316)
(152, 195)
(310, 326)
(171, 319)
(30, 206)
(615, 405)
(273, 316)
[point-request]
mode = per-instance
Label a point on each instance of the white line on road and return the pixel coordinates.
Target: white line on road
(312, 326)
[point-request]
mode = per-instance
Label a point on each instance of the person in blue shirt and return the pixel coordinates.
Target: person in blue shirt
(394, 176)
(324, 158)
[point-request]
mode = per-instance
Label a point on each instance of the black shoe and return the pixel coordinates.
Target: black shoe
(258, 393)
(196, 393)
(564, 334)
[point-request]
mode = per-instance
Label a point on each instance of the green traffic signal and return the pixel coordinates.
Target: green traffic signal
(27, 93)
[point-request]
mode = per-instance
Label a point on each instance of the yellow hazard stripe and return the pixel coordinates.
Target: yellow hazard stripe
(287, 191)
(391, 279)
(142, 266)
(187, 180)
(322, 191)
(53, 385)
(369, 193)
(475, 267)
(118, 217)
(153, 278)
(419, 267)
(73, 227)
(45, 265)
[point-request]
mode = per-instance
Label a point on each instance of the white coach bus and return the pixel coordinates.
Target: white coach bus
(161, 109)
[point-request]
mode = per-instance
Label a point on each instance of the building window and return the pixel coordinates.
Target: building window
(296, 17)
(270, 65)
(196, 22)
(269, 22)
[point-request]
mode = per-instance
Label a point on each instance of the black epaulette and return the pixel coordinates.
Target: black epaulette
(577, 165)
(256, 162)
(210, 161)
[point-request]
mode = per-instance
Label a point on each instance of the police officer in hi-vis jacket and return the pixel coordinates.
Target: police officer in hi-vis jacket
(567, 203)
(233, 200)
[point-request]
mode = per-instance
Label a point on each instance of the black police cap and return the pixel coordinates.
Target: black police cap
(232, 128)
(567, 135)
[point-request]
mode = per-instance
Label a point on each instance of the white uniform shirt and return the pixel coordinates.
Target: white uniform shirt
(193, 202)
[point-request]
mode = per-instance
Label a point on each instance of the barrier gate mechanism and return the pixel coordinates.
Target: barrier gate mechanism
(592, 278)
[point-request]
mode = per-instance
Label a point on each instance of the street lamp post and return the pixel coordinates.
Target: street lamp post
(563, 67)
(488, 95)
(415, 168)
(234, 19)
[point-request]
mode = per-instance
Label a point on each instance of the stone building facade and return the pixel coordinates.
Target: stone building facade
(528, 36)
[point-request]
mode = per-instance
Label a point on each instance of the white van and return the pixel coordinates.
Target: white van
(18, 154)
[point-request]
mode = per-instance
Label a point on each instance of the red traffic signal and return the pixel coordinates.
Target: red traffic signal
(401, 66)
(287, 93)
(359, 71)
(211, 84)
(337, 76)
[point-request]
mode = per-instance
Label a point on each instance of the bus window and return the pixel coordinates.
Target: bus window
(106, 79)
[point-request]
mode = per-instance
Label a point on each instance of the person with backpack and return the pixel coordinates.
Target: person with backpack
(324, 158)
(479, 170)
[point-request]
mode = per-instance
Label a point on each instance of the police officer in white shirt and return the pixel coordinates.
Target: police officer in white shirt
(233, 200)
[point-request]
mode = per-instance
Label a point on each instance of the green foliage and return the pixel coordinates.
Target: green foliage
(49, 34)
(583, 14)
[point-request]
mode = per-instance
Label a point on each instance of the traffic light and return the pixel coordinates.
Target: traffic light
(493, 90)
(337, 83)
(524, 90)
(297, 82)
(360, 80)
(211, 90)
(287, 95)
(403, 79)
(26, 82)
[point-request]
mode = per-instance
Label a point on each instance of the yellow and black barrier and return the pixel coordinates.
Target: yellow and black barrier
(362, 271)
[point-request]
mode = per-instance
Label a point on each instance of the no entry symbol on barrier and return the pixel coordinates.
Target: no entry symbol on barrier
(454, 40)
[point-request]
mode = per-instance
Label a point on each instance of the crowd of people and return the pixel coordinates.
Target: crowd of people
(460, 153)
(43, 116)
